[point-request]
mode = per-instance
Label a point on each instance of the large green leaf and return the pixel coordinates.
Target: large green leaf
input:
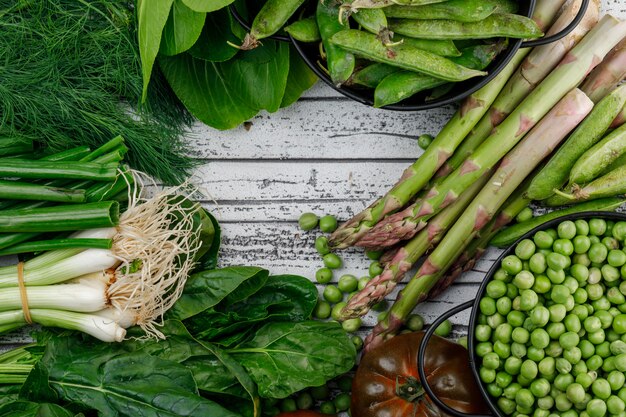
(182, 29)
(206, 289)
(152, 16)
(201, 87)
(107, 378)
(286, 357)
(300, 78)
(206, 5)
(211, 241)
(31, 409)
(212, 44)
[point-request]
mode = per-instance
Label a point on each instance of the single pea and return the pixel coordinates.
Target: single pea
(362, 283)
(581, 259)
(585, 380)
(357, 342)
(304, 401)
(559, 294)
(328, 224)
(347, 283)
(335, 312)
(615, 405)
(562, 403)
(608, 364)
(582, 227)
(487, 306)
(308, 221)
(619, 231)
(415, 323)
(598, 253)
(580, 273)
(554, 349)
(601, 388)
(352, 325)
(543, 240)
(510, 391)
(597, 227)
(535, 354)
(537, 263)
(556, 277)
(529, 370)
(594, 363)
(540, 338)
(328, 407)
(616, 380)
(511, 291)
(555, 330)
(491, 360)
(503, 333)
(557, 313)
(518, 350)
(324, 275)
(516, 318)
(483, 348)
(595, 291)
(529, 300)
(494, 390)
(524, 215)
(332, 261)
(614, 296)
(545, 403)
(321, 392)
(580, 311)
(524, 398)
(546, 366)
(501, 275)
(503, 379)
(573, 355)
(288, 404)
(566, 229)
(483, 333)
(375, 269)
(569, 340)
(606, 319)
(562, 381)
(540, 387)
(556, 261)
(444, 329)
(525, 249)
(563, 246)
(620, 362)
(487, 375)
(610, 242)
(342, 401)
(596, 408)
(506, 405)
(512, 265)
(322, 310)
(618, 347)
(495, 320)
(575, 393)
(572, 323)
(321, 245)
(542, 284)
(619, 324)
(596, 337)
(616, 258)
(512, 365)
(580, 297)
(610, 273)
(463, 341)
(503, 306)
(520, 335)
(381, 306)
(424, 141)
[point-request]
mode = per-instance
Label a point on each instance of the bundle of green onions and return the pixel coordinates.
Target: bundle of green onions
(114, 270)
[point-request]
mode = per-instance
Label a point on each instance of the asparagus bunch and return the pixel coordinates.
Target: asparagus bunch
(567, 75)
(514, 168)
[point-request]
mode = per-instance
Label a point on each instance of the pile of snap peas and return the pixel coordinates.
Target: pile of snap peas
(400, 48)
(551, 332)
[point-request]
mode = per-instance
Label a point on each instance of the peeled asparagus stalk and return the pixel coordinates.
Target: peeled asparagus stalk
(530, 73)
(567, 75)
(405, 257)
(545, 12)
(607, 75)
(514, 168)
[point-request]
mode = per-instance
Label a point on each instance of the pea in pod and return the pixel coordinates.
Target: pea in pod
(271, 18)
(340, 63)
(403, 56)
(372, 20)
(497, 25)
(555, 173)
(603, 153)
(304, 30)
(511, 234)
(459, 10)
(610, 184)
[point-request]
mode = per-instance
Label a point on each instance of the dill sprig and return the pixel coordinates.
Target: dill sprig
(70, 74)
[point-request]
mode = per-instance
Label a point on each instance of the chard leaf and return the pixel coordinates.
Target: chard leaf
(206, 5)
(32, 409)
(206, 289)
(182, 29)
(286, 357)
(152, 16)
(114, 382)
(212, 44)
(300, 78)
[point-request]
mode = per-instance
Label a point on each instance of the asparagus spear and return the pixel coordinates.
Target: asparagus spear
(530, 73)
(607, 75)
(568, 74)
(546, 11)
(515, 167)
(404, 258)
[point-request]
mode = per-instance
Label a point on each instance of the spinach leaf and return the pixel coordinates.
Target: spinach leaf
(300, 78)
(212, 44)
(152, 16)
(113, 381)
(209, 259)
(206, 289)
(182, 29)
(286, 357)
(32, 409)
(206, 5)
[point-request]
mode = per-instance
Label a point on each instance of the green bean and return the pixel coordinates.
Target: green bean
(497, 25)
(460, 10)
(403, 56)
(304, 30)
(340, 63)
(372, 20)
(270, 19)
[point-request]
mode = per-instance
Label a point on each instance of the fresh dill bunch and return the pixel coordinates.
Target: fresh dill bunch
(70, 74)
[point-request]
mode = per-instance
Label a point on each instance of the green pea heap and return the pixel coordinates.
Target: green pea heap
(551, 332)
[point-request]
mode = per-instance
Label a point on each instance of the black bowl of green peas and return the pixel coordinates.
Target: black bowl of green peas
(548, 326)
(409, 54)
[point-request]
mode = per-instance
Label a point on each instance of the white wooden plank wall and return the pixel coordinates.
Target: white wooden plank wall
(325, 154)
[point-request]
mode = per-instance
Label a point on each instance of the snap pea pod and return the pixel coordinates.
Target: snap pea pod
(459, 10)
(509, 235)
(608, 185)
(615, 164)
(372, 75)
(340, 63)
(497, 25)
(555, 173)
(377, 4)
(594, 160)
(372, 20)
(444, 47)
(270, 19)
(304, 30)
(403, 56)
(402, 85)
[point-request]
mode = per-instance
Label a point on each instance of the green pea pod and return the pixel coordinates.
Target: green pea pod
(377, 4)
(403, 56)
(402, 85)
(459, 10)
(372, 75)
(444, 47)
(497, 25)
(372, 20)
(416, 2)
(304, 30)
(271, 18)
(509, 235)
(555, 173)
(608, 185)
(599, 156)
(340, 63)
(615, 164)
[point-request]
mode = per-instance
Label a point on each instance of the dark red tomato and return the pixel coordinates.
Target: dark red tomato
(304, 413)
(387, 382)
